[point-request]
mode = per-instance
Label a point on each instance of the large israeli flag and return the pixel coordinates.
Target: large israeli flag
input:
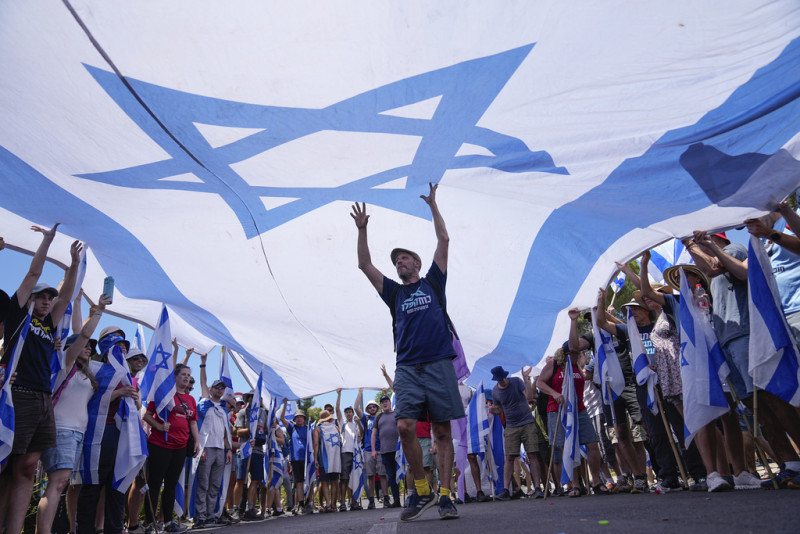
(477, 422)
(6, 401)
(703, 367)
(641, 363)
(158, 382)
(225, 373)
(539, 139)
(774, 355)
(608, 371)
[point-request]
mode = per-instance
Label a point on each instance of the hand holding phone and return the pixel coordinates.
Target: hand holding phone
(108, 288)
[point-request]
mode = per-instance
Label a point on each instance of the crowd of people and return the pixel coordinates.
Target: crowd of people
(249, 465)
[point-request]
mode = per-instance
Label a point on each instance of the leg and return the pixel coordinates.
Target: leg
(508, 471)
(445, 452)
(408, 437)
(135, 501)
(474, 468)
(73, 494)
(48, 505)
(23, 469)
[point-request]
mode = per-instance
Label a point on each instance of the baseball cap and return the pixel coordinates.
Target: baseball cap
(42, 288)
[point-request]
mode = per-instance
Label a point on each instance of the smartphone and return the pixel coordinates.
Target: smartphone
(108, 287)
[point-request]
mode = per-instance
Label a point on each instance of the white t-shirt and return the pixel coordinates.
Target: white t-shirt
(71, 411)
(349, 436)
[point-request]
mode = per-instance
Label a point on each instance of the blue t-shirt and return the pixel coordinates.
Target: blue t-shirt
(368, 423)
(421, 332)
(786, 268)
(730, 312)
(514, 403)
(299, 439)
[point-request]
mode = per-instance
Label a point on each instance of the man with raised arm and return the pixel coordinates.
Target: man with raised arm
(34, 422)
(425, 378)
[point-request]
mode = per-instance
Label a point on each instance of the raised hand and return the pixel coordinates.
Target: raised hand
(75, 251)
(431, 198)
(45, 232)
(757, 228)
(574, 313)
(359, 215)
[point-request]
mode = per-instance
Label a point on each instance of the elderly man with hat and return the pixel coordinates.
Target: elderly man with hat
(510, 396)
(372, 466)
(298, 438)
(34, 423)
(425, 378)
(214, 432)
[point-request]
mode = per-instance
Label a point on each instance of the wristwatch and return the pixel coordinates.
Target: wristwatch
(775, 237)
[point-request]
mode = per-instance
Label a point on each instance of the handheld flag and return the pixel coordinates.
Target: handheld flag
(618, 282)
(356, 483)
(138, 338)
(158, 382)
(495, 456)
(608, 374)
(477, 422)
(774, 355)
(641, 363)
(6, 402)
(311, 465)
(703, 367)
(571, 457)
(225, 373)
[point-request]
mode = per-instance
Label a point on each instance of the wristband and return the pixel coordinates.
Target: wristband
(202, 365)
(775, 237)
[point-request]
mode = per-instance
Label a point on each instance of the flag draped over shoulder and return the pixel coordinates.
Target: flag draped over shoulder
(158, 382)
(571, 457)
(255, 406)
(6, 402)
(703, 367)
(477, 422)
(356, 482)
(608, 372)
(641, 363)
(774, 355)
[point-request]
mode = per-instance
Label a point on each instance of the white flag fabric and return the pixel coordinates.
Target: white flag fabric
(666, 255)
(225, 374)
(138, 341)
(477, 422)
(774, 355)
(6, 400)
(311, 464)
(242, 165)
(158, 382)
(641, 363)
(703, 367)
(608, 371)
(356, 482)
(617, 282)
(571, 456)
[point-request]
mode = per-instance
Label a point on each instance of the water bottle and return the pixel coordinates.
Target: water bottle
(701, 298)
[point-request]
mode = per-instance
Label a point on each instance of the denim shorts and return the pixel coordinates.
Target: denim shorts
(67, 452)
(431, 387)
(241, 467)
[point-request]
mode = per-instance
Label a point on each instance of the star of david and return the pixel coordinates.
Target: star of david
(684, 363)
(357, 463)
(165, 357)
(334, 440)
(465, 91)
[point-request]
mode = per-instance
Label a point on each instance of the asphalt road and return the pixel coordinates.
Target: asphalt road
(757, 511)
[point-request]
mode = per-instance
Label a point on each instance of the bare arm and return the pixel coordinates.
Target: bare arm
(632, 276)
(316, 441)
(574, 341)
(358, 401)
(791, 217)
(647, 289)
(203, 376)
(761, 230)
(737, 268)
(338, 403)
(602, 321)
(530, 391)
(361, 218)
(283, 414)
(37, 264)
(387, 377)
(280, 438)
(703, 258)
(174, 351)
(186, 355)
(86, 331)
(542, 382)
(68, 285)
(76, 313)
(442, 237)
(196, 436)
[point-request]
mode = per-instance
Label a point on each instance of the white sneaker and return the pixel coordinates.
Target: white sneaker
(746, 481)
(715, 483)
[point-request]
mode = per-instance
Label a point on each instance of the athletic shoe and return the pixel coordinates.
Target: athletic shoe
(481, 497)
(538, 493)
(717, 482)
(699, 485)
(252, 515)
(386, 502)
(503, 496)
(198, 524)
(396, 504)
(518, 494)
(139, 529)
(447, 510)
(671, 484)
(783, 478)
(640, 485)
(371, 505)
(625, 485)
(794, 483)
(175, 528)
(746, 481)
(150, 530)
(468, 499)
(235, 516)
(416, 505)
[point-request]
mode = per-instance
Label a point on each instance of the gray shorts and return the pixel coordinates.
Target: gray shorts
(428, 387)
(347, 465)
(373, 466)
(737, 354)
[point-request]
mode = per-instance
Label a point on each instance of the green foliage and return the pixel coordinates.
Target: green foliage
(381, 393)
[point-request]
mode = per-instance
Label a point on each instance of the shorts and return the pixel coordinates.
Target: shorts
(515, 436)
(737, 354)
(627, 402)
(65, 455)
(34, 422)
(298, 471)
(373, 466)
(638, 433)
(347, 465)
(326, 477)
(426, 444)
(256, 467)
(431, 386)
(586, 432)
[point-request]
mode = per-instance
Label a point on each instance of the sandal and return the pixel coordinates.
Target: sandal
(574, 492)
(600, 489)
(330, 509)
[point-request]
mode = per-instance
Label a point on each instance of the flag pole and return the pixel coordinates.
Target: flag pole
(669, 435)
(753, 430)
(150, 501)
(552, 454)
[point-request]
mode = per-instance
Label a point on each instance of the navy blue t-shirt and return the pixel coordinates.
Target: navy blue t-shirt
(422, 334)
(368, 423)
